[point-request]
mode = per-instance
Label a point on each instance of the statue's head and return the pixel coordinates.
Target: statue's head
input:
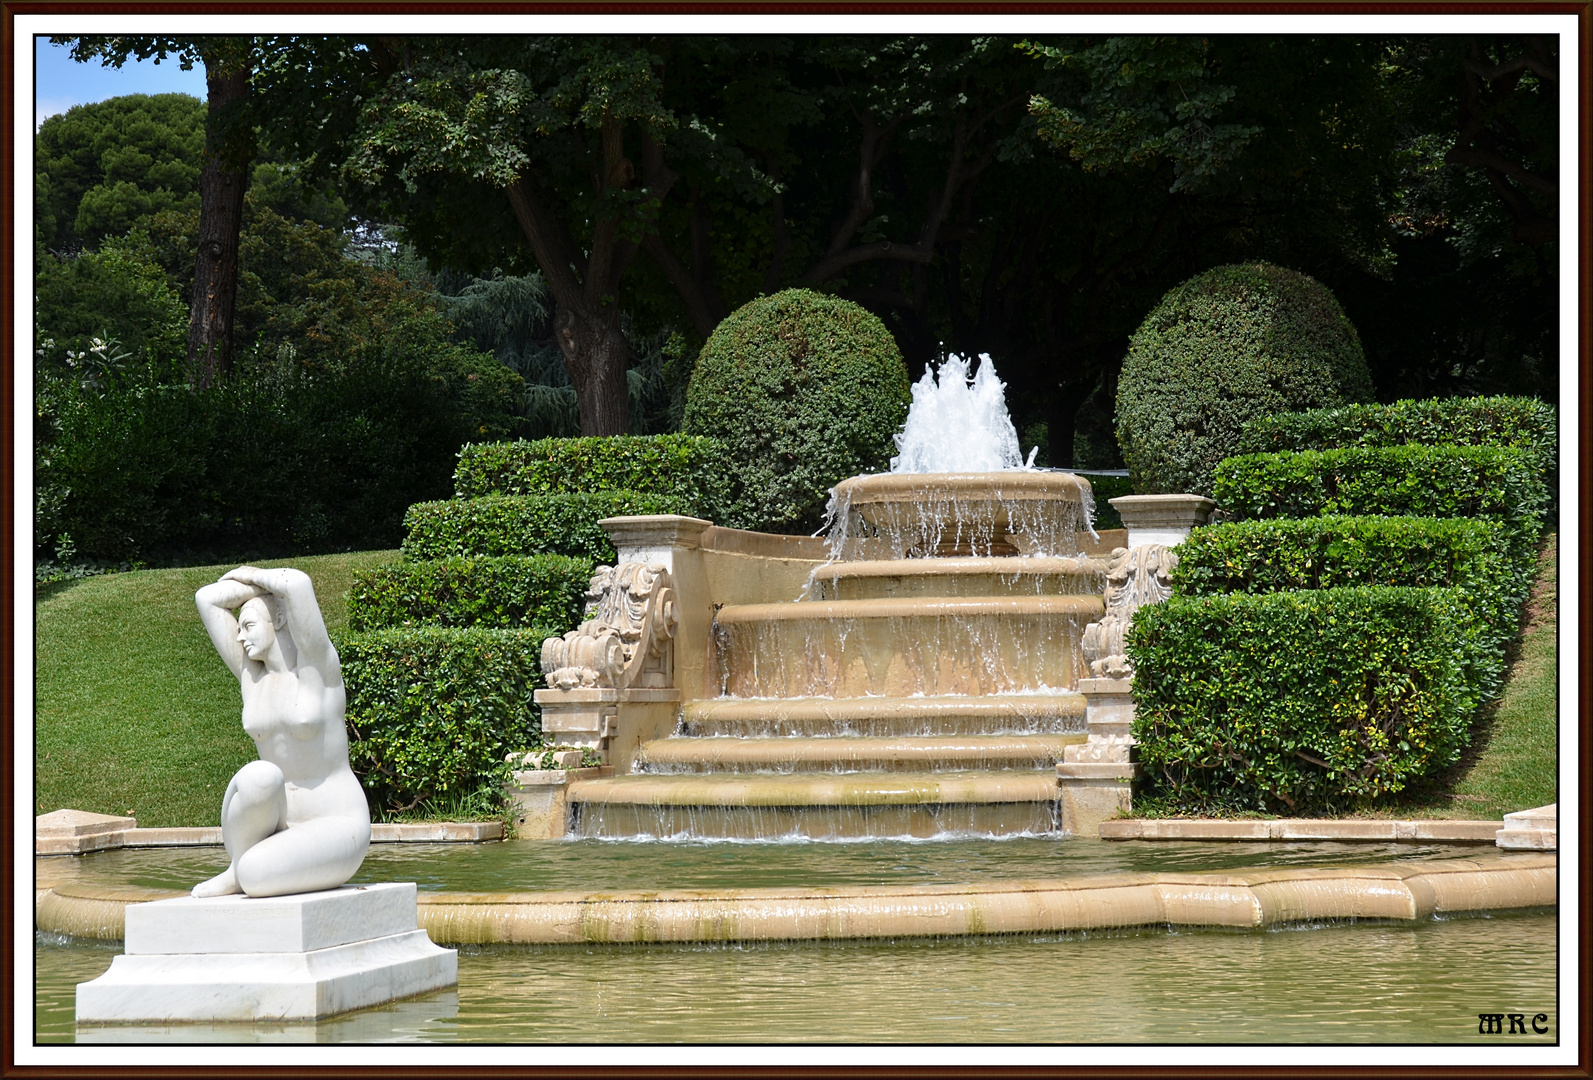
(258, 622)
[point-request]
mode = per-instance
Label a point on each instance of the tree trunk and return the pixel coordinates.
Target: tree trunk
(596, 357)
(223, 178)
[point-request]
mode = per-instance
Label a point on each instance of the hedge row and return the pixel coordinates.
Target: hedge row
(432, 712)
(685, 466)
(1415, 481)
(1525, 424)
(1334, 551)
(503, 592)
(526, 524)
(1316, 700)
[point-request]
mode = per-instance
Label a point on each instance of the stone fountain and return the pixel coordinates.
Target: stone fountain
(917, 671)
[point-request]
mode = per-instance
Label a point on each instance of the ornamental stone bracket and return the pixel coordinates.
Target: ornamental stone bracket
(621, 655)
(1097, 777)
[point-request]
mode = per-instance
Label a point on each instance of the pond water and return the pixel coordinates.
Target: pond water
(1331, 983)
(615, 865)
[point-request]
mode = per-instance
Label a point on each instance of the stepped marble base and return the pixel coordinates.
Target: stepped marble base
(239, 958)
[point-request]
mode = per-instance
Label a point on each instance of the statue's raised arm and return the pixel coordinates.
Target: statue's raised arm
(296, 820)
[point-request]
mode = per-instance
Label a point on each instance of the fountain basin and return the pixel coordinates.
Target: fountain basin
(1402, 891)
(932, 646)
(882, 716)
(1007, 513)
(959, 577)
(902, 753)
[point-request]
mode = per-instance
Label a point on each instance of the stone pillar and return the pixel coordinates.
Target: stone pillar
(541, 797)
(1161, 519)
(1097, 777)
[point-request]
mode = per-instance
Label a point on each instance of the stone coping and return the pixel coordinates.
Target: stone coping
(1243, 899)
(916, 607)
(425, 832)
(1350, 829)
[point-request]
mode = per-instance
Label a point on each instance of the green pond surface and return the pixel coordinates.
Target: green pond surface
(1331, 984)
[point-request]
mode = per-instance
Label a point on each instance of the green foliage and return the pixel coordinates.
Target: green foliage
(1226, 346)
(1303, 702)
(432, 712)
(274, 460)
(526, 524)
(684, 466)
(804, 390)
(494, 592)
(101, 168)
(115, 292)
(1281, 554)
(1416, 481)
(1525, 424)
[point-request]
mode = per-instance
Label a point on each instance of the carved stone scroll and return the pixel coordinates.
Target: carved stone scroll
(1135, 577)
(625, 640)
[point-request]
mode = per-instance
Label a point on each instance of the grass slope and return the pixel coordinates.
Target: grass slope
(133, 711)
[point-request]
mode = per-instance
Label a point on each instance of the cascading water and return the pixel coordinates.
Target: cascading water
(959, 423)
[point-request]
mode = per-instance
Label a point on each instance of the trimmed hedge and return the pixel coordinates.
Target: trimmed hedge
(804, 390)
(1521, 423)
(526, 524)
(1227, 346)
(1328, 552)
(1416, 481)
(499, 592)
(1303, 702)
(687, 466)
(433, 712)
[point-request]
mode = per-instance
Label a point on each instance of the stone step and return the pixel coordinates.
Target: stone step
(910, 753)
(1013, 714)
(900, 647)
(958, 577)
(832, 805)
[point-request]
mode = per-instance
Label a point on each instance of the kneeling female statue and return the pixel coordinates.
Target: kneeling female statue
(296, 820)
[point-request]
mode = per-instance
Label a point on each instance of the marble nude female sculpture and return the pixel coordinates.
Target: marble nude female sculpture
(296, 820)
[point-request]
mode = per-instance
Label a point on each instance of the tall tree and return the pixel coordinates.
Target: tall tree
(223, 176)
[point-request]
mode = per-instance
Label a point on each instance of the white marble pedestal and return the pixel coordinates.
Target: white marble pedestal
(240, 958)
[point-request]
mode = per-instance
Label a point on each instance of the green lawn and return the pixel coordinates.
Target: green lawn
(133, 711)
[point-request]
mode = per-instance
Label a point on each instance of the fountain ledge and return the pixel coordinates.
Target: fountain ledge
(1248, 899)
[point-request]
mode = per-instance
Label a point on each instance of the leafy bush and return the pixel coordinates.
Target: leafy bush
(433, 712)
(273, 461)
(1305, 702)
(689, 467)
(506, 591)
(1226, 346)
(1328, 552)
(804, 390)
(526, 524)
(1417, 481)
(1525, 424)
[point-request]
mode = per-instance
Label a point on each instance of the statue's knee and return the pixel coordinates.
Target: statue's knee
(258, 780)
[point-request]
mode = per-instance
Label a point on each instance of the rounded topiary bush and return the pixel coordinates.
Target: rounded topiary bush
(1226, 346)
(804, 390)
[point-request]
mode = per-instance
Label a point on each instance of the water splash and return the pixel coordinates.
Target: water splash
(959, 423)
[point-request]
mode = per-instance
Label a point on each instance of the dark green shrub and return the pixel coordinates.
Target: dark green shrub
(503, 592)
(271, 462)
(804, 390)
(1280, 554)
(1520, 423)
(689, 467)
(1302, 702)
(526, 524)
(1226, 346)
(433, 712)
(1414, 481)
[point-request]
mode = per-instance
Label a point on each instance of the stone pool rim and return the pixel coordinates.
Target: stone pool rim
(1249, 899)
